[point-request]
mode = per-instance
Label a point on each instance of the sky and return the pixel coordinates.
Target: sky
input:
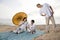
(8, 8)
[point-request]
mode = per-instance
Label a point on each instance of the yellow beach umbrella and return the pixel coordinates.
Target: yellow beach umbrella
(18, 17)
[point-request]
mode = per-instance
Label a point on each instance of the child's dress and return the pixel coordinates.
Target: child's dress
(22, 27)
(31, 27)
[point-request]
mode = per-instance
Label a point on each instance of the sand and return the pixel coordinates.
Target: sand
(4, 28)
(47, 36)
(51, 35)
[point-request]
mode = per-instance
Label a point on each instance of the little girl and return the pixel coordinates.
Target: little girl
(22, 26)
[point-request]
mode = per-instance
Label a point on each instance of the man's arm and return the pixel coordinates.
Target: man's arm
(52, 9)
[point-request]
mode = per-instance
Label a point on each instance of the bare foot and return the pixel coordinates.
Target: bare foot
(47, 31)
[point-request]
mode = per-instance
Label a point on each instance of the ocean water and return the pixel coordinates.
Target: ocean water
(38, 21)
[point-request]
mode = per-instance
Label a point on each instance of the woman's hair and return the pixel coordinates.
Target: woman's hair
(24, 18)
(32, 21)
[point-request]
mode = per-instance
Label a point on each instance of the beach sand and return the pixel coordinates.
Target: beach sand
(51, 35)
(47, 36)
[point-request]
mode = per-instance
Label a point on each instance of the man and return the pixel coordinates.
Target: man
(47, 11)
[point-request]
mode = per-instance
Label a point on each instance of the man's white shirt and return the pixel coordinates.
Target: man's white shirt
(46, 9)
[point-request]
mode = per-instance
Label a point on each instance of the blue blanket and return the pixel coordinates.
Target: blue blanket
(21, 36)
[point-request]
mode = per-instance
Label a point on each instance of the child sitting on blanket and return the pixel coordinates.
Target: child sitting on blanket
(32, 27)
(22, 26)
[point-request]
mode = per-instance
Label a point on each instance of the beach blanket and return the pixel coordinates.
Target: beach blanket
(21, 36)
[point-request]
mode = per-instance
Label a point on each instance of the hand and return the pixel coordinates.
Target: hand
(52, 13)
(43, 14)
(27, 27)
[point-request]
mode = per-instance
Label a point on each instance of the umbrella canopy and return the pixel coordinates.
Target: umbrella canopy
(18, 17)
